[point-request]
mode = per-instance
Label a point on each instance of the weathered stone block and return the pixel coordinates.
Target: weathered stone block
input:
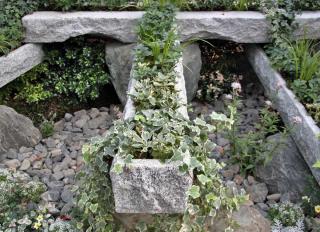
(149, 186)
(19, 61)
(241, 27)
(304, 130)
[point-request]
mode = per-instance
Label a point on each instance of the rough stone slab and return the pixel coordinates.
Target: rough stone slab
(150, 186)
(19, 61)
(241, 27)
(305, 133)
(119, 58)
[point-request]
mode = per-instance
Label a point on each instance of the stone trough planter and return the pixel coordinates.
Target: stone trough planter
(149, 186)
(19, 62)
(305, 131)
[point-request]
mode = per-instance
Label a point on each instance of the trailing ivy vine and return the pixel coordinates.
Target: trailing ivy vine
(157, 131)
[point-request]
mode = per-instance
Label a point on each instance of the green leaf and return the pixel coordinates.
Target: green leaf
(211, 197)
(194, 192)
(203, 179)
(317, 164)
(93, 208)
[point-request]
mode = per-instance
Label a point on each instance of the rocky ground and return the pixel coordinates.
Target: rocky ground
(252, 101)
(56, 159)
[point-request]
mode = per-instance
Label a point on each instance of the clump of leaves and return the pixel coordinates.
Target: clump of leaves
(11, 12)
(287, 214)
(47, 128)
(75, 69)
(305, 59)
(16, 191)
(281, 15)
(254, 148)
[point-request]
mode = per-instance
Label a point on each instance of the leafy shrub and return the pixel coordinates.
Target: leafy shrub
(11, 29)
(77, 68)
(73, 69)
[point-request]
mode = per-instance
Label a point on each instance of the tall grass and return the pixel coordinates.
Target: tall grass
(305, 58)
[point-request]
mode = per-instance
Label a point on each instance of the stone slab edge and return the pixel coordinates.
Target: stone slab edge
(241, 27)
(305, 133)
(19, 62)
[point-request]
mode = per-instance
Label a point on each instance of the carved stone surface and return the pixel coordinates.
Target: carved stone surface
(304, 130)
(150, 186)
(241, 27)
(19, 61)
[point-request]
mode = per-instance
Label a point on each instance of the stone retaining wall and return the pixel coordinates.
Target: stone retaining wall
(19, 61)
(241, 27)
(304, 130)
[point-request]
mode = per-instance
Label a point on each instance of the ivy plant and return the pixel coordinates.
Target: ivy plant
(157, 131)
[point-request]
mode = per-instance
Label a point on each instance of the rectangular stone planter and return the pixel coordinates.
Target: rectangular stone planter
(241, 27)
(148, 185)
(304, 130)
(19, 62)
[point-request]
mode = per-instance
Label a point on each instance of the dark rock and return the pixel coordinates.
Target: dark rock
(287, 172)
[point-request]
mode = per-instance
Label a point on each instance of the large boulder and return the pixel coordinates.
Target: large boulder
(119, 58)
(16, 130)
(287, 172)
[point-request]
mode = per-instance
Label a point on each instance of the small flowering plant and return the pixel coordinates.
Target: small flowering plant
(287, 215)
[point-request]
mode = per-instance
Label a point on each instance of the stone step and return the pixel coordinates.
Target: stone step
(304, 130)
(19, 62)
(237, 26)
(150, 186)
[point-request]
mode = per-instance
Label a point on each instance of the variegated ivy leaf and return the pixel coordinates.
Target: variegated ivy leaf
(194, 191)
(211, 197)
(203, 179)
(200, 122)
